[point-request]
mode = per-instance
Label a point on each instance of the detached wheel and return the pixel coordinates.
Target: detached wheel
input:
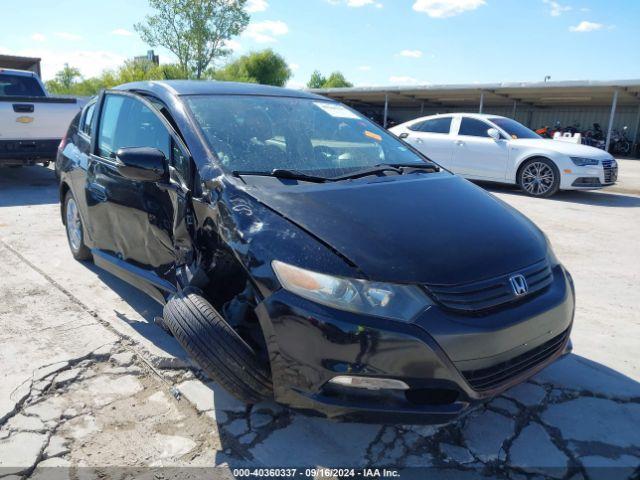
(75, 229)
(221, 353)
(539, 177)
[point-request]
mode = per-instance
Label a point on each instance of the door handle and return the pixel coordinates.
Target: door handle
(403, 135)
(419, 140)
(459, 142)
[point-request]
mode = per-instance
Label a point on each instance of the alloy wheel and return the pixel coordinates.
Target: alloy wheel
(537, 178)
(74, 225)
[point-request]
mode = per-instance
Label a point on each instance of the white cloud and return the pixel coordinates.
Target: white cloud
(72, 37)
(266, 31)
(257, 6)
(364, 68)
(294, 67)
(585, 26)
(446, 8)
(556, 8)
(233, 45)
(404, 80)
(89, 62)
(356, 3)
(38, 37)
(411, 53)
(122, 32)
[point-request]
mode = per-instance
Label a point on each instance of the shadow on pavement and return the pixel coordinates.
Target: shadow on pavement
(599, 198)
(17, 186)
(575, 417)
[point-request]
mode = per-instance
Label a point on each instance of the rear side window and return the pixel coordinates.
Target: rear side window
(19, 86)
(473, 128)
(435, 125)
(127, 122)
(85, 126)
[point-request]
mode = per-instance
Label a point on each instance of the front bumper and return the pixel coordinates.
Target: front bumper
(438, 355)
(590, 177)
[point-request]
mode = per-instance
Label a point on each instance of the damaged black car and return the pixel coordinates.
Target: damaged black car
(306, 255)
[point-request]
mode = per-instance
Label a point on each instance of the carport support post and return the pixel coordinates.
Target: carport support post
(386, 110)
(481, 102)
(513, 113)
(422, 108)
(635, 135)
(612, 115)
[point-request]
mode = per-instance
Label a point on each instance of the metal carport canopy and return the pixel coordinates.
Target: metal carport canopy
(475, 97)
(537, 94)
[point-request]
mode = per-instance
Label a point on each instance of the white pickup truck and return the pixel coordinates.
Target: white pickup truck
(31, 122)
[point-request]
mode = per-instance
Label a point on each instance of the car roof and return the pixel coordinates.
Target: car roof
(22, 73)
(483, 116)
(212, 87)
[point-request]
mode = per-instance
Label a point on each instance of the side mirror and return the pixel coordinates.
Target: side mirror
(494, 133)
(144, 164)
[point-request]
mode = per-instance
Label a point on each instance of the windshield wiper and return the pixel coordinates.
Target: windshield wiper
(416, 167)
(368, 171)
(285, 174)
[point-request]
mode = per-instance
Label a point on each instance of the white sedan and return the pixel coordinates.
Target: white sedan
(499, 149)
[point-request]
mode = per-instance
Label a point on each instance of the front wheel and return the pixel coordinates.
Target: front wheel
(75, 229)
(539, 177)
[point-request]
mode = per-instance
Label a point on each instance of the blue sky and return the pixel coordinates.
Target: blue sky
(373, 42)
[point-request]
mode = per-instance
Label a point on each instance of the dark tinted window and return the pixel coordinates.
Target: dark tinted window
(127, 122)
(87, 119)
(19, 86)
(473, 127)
(435, 125)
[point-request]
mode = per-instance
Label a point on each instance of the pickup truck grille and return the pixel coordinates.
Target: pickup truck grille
(487, 294)
(491, 377)
(610, 171)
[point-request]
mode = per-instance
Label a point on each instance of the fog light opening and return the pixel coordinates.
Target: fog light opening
(369, 383)
(431, 396)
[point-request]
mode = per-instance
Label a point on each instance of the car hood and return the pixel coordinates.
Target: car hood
(431, 229)
(565, 148)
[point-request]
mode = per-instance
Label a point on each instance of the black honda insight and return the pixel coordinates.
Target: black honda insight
(304, 254)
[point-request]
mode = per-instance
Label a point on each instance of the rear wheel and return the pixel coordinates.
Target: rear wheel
(75, 229)
(539, 177)
(216, 347)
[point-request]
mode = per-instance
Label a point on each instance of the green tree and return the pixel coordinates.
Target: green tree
(130, 71)
(63, 80)
(317, 80)
(265, 67)
(194, 30)
(337, 80)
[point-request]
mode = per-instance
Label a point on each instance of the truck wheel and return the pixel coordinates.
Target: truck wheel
(221, 353)
(539, 177)
(75, 229)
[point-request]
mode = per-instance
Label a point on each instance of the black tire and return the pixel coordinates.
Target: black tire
(217, 348)
(78, 249)
(548, 188)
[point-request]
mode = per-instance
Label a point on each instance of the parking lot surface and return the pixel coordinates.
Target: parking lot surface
(87, 380)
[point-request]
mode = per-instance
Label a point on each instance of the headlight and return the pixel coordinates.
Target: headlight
(583, 162)
(398, 302)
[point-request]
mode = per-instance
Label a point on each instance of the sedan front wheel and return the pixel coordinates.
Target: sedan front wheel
(539, 177)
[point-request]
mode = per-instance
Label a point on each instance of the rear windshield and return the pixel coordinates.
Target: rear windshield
(514, 129)
(19, 86)
(253, 133)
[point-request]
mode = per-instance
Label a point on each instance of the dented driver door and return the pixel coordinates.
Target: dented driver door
(139, 219)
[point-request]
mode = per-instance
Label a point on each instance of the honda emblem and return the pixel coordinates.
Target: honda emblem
(519, 285)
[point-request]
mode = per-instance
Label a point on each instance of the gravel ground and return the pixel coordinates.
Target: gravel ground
(90, 383)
